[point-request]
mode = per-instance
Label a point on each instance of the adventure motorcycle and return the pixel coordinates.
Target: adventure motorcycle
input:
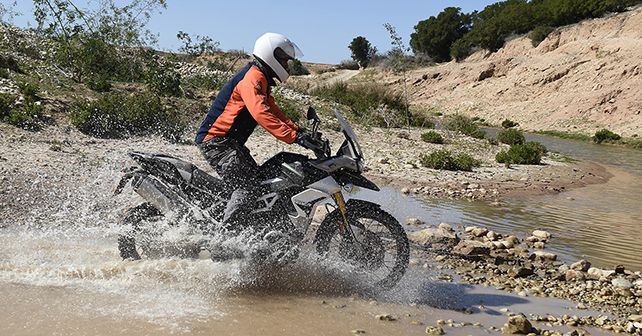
(293, 186)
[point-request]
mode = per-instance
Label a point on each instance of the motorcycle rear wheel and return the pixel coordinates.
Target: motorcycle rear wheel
(376, 232)
(130, 248)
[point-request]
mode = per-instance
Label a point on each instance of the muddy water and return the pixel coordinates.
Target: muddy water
(72, 282)
(66, 278)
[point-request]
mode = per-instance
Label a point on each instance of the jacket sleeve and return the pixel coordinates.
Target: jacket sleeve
(253, 91)
(277, 111)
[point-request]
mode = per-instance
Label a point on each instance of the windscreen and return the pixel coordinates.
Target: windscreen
(349, 133)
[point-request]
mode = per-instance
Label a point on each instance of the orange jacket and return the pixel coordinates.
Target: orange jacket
(242, 103)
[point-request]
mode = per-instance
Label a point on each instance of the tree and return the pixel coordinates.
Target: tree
(436, 35)
(204, 46)
(399, 63)
(362, 51)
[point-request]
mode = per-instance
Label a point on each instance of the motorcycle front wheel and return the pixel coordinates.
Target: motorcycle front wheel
(377, 245)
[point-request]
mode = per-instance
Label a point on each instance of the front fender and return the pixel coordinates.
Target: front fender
(344, 178)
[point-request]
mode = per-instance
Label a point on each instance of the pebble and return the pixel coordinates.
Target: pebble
(386, 317)
(358, 331)
(434, 330)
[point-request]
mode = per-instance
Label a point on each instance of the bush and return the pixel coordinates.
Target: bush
(29, 90)
(420, 120)
(443, 159)
(6, 102)
(8, 62)
(432, 137)
(99, 84)
(298, 69)
(511, 136)
(465, 125)
(348, 65)
(509, 123)
(162, 79)
(288, 107)
(206, 81)
(116, 115)
(368, 103)
(538, 34)
(4, 73)
(528, 153)
(605, 135)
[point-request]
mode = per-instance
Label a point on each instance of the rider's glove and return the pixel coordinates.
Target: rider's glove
(305, 139)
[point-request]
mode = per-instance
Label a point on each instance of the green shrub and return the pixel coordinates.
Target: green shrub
(465, 125)
(288, 107)
(368, 103)
(432, 137)
(348, 65)
(511, 136)
(4, 73)
(298, 69)
(99, 84)
(10, 63)
(205, 81)
(116, 115)
(162, 79)
(605, 135)
(443, 159)
(6, 102)
(566, 135)
(29, 90)
(538, 34)
(528, 153)
(509, 123)
(420, 120)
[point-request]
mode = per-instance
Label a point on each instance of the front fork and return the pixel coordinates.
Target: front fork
(344, 226)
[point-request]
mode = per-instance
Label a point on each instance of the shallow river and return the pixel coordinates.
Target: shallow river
(60, 273)
(602, 223)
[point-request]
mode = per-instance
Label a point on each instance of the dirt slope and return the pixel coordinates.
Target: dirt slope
(581, 78)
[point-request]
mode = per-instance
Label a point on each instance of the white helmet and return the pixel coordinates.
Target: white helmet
(274, 50)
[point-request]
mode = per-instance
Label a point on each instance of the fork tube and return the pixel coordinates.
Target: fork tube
(338, 199)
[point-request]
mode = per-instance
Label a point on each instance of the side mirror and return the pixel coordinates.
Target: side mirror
(312, 115)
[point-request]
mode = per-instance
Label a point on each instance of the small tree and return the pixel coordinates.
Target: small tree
(398, 56)
(362, 51)
(204, 45)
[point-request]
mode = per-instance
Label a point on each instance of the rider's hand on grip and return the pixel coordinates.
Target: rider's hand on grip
(306, 139)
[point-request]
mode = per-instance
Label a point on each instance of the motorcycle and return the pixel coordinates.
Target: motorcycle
(293, 186)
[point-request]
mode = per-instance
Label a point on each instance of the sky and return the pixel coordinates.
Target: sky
(322, 29)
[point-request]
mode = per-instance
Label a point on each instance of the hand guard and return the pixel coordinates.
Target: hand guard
(306, 140)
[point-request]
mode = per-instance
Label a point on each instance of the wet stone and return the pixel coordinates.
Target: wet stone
(517, 325)
(621, 283)
(434, 330)
(581, 265)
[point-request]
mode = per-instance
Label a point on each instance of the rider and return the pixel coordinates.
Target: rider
(242, 103)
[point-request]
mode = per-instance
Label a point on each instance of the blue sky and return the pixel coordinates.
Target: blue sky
(322, 29)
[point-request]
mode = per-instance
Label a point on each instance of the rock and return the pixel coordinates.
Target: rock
(413, 221)
(630, 328)
(478, 232)
(434, 330)
(581, 265)
(635, 318)
(520, 272)
(539, 245)
(492, 235)
(573, 275)
(405, 191)
(386, 317)
(595, 273)
(471, 247)
(517, 325)
(601, 320)
(621, 283)
(543, 256)
(619, 269)
(446, 226)
(541, 234)
(358, 331)
(435, 238)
